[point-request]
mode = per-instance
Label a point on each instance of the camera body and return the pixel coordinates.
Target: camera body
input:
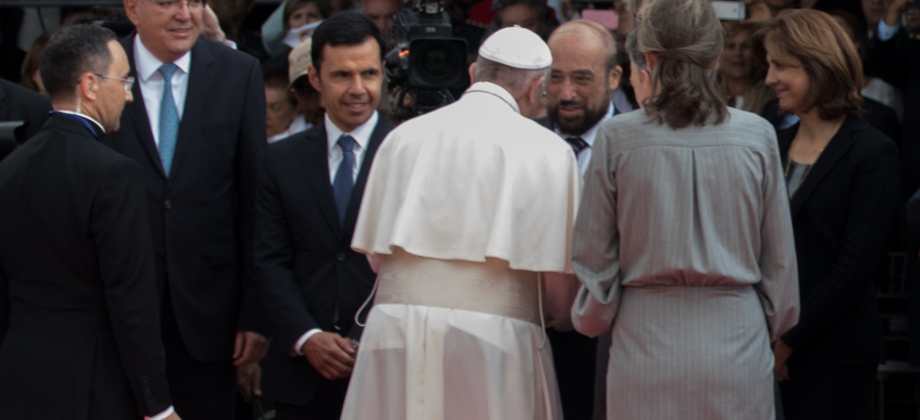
(426, 60)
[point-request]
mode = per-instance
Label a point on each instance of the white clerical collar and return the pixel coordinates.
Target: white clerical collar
(591, 134)
(84, 116)
(496, 90)
(148, 64)
(361, 134)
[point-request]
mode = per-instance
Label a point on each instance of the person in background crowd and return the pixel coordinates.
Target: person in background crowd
(301, 18)
(692, 301)
(200, 146)
(528, 14)
(741, 74)
(456, 331)
(31, 79)
(842, 181)
(79, 320)
(873, 87)
(895, 57)
(282, 118)
(244, 33)
(381, 12)
(309, 194)
(874, 11)
(308, 99)
(582, 77)
(20, 104)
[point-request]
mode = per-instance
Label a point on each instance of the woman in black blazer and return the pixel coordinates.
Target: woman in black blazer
(842, 178)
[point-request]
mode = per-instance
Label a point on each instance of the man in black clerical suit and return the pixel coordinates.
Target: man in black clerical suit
(583, 76)
(79, 320)
(20, 104)
(311, 281)
(197, 130)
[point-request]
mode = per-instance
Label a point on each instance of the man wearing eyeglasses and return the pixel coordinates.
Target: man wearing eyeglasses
(79, 332)
(197, 130)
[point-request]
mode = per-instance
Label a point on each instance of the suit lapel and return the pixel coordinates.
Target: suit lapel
(835, 149)
(137, 110)
(199, 83)
(354, 203)
(316, 163)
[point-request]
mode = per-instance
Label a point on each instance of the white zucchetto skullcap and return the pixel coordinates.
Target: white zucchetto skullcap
(518, 48)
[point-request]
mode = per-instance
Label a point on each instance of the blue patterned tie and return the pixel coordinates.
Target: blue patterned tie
(169, 118)
(344, 182)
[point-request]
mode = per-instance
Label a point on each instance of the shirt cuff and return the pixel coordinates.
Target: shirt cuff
(303, 339)
(169, 411)
(886, 32)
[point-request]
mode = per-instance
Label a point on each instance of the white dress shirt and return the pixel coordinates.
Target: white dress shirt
(298, 125)
(151, 83)
(362, 135)
(584, 157)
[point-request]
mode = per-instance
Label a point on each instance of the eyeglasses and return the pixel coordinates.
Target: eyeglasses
(173, 6)
(129, 82)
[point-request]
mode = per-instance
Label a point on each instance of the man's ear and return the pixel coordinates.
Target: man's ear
(131, 10)
(86, 88)
(313, 76)
(613, 79)
(473, 73)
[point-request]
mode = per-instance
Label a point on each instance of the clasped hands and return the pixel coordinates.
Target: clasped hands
(332, 355)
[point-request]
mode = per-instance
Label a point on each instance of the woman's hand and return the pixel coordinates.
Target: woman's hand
(781, 353)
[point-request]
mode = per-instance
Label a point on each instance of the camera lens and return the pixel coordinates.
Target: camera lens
(435, 62)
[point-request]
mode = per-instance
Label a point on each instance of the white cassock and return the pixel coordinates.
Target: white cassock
(463, 208)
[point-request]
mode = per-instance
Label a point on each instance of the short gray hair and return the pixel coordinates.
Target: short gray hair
(512, 79)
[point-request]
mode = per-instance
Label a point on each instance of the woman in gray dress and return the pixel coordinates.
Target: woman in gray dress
(683, 240)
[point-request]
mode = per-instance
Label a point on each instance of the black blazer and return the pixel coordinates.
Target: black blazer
(79, 320)
(841, 215)
(201, 216)
(304, 258)
(20, 104)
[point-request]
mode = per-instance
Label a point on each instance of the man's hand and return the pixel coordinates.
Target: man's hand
(781, 353)
(330, 354)
(758, 11)
(210, 26)
(249, 348)
(897, 7)
(249, 381)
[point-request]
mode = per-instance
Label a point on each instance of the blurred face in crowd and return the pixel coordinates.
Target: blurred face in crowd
(308, 13)
(349, 81)
(111, 94)
(641, 82)
(524, 16)
(307, 101)
(780, 4)
(168, 28)
(381, 12)
(738, 56)
(579, 85)
(874, 10)
(279, 110)
(790, 81)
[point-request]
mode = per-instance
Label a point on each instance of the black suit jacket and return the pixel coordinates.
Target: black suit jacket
(201, 216)
(20, 104)
(304, 258)
(79, 320)
(841, 214)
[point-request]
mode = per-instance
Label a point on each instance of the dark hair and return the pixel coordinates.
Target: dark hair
(825, 52)
(325, 9)
(71, 52)
(343, 28)
(686, 38)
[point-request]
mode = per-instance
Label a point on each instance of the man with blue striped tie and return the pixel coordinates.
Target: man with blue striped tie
(197, 129)
(311, 281)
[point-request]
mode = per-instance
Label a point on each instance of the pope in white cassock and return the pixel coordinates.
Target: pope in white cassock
(464, 208)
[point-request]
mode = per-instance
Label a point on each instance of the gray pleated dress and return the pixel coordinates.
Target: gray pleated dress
(683, 243)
